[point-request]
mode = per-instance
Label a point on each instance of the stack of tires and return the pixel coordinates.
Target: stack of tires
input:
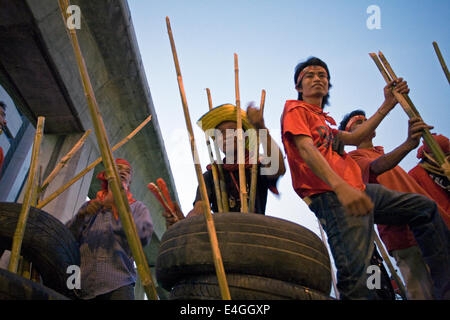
(48, 245)
(265, 258)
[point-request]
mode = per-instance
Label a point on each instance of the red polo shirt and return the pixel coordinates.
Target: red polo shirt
(437, 193)
(301, 118)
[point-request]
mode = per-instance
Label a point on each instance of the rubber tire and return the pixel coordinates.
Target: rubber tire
(47, 243)
(250, 244)
(14, 287)
(242, 287)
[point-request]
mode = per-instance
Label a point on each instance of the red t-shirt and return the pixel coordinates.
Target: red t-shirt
(438, 194)
(301, 118)
(394, 237)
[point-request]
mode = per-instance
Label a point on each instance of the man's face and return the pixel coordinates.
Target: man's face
(2, 119)
(314, 82)
(125, 174)
(356, 125)
(228, 138)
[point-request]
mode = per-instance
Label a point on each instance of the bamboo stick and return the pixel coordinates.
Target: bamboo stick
(114, 182)
(165, 192)
(223, 187)
(394, 77)
(215, 176)
(222, 184)
(412, 111)
(159, 196)
(390, 266)
(254, 173)
(240, 142)
(213, 165)
(28, 198)
(64, 161)
(263, 101)
(217, 257)
(55, 194)
(26, 268)
(406, 107)
(441, 61)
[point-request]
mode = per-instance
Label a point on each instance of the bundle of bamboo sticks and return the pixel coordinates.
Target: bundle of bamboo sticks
(408, 106)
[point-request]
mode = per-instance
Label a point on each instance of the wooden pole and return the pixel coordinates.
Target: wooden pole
(441, 61)
(412, 111)
(394, 77)
(406, 107)
(55, 194)
(223, 187)
(390, 266)
(254, 173)
(64, 161)
(213, 165)
(28, 198)
(263, 101)
(159, 196)
(217, 257)
(114, 182)
(240, 142)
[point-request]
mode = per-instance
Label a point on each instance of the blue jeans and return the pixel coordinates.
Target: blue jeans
(122, 293)
(351, 238)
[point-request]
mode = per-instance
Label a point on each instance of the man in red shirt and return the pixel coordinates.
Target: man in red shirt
(430, 175)
(378, 167)
(2, 125)
(330, 181)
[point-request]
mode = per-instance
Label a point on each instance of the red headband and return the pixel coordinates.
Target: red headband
(305, 70)
(443, 142)
(353, 120)
(101, 175)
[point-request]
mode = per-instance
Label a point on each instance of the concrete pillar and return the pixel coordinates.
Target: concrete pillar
(54, 147)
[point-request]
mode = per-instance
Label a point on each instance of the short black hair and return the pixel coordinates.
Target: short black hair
(3, 105)
(348, 116)
(312, 61)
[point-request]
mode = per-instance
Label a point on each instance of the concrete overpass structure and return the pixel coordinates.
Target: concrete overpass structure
(39, 73)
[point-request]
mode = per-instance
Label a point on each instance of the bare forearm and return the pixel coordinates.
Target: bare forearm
(390, 160)
(318, 164)
(355, 137)
(353, 200)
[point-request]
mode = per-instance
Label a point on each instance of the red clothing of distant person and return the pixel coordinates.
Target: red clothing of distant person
(1, 159)
(437, 193)
(394, 237)
(301, 118)
(426, 179)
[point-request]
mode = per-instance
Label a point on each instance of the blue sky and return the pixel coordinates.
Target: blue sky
(270, 38)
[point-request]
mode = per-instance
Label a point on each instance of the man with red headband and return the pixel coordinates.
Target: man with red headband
(430, 175)
(378, 167)
(330, 182)
(107, 267)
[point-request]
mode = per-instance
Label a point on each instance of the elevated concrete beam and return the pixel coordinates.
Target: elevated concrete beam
(114, 64)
